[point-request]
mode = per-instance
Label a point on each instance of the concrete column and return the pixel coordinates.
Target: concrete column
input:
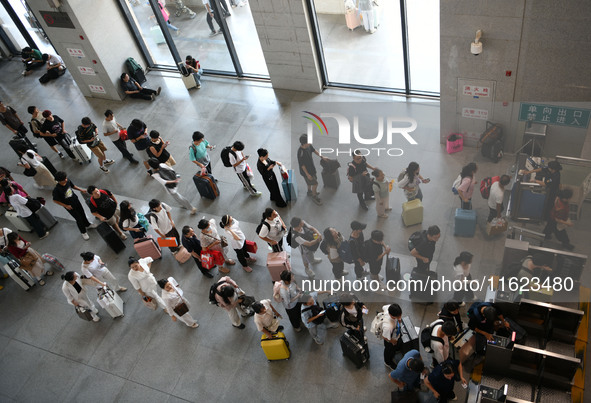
(285, 34)
(100, 31)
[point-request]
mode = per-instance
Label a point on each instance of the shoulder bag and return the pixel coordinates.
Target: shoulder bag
(181, 308)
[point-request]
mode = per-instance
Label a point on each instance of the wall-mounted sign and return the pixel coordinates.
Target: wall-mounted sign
(473, 113)
(476, 91)
(99, 89)
(75, 52)
(86, 70)
(55, 19)
(555, 115)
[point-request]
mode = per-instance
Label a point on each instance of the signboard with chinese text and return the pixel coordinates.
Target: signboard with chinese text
(56, 19)
(97, 88)
(476, 91)
(89, 71)
(75, 52)
(555, 115)
(473, 113)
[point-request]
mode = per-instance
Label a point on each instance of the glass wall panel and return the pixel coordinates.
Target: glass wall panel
(423, 38)
(32, 26)
(11, 30)
(362, 42)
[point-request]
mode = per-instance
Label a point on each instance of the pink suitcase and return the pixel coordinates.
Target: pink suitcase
(353, 19)
(147, 247)
(276, 263)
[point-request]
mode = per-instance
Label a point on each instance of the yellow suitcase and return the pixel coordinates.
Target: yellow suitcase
(412, 212)
(276, 348)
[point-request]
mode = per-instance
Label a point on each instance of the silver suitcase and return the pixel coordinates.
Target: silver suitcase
(18, 222)
(81, 152)
(189, 81)
(46, 217)
(20, 276)
(110, 302)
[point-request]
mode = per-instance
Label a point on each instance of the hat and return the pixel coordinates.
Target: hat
(355, 225)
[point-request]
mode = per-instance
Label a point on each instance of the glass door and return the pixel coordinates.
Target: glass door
(32, 26)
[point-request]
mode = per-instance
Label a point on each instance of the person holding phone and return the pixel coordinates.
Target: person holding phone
(314, 317)
(351, 316)
(241, 167)
(409, 180)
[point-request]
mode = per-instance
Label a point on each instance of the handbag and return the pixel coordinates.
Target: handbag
(218, 257)
(122, 134)
(223, 240)
(150, 303)
(284, 173)
(181, 308)
(143, 221)
(251, 246)
(33, 204)
(83, 313)
(207, 260)
(182, 255)
(28, 260)
(249, 172)
(168, 242)
(30, 171)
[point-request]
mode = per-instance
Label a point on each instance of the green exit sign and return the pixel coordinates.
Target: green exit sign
(555, 115)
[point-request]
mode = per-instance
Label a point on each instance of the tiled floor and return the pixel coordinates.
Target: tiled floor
(47, 354)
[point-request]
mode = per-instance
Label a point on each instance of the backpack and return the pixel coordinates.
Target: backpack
(307, 235)
(415, 240)
(289, 239)
(427, 335)
(377, 324)
(225, 155)
(213, 290)
(92, 198)
(345, 253)
(276, 291)
(324, 247)
(260, 226)
(474, 313)
(456, 184)
(486, 184)
(149, 215)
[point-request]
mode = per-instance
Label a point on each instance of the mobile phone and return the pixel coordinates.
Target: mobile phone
(465, 386)
(322, 312)
(365, 311)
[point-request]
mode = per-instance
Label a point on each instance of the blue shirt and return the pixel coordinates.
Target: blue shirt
(403, 374)
(199, 153)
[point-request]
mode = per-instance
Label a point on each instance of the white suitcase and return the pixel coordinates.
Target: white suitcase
(20, 276)
(18, 222)
(46, 217)
(189, 81)
(81, 152)
(110, 302)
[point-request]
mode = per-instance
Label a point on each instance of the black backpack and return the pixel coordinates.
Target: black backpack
(225, 155)
(315, 311)
(426, 335)
(260, 226)
(324, 247)
(415, 240)
(213, 290)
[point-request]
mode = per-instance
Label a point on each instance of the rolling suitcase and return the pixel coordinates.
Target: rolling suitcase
(135, 70)
(409, 337)
(276, 348)
(423, 285)
(81, 152)
(189, 81)
(147, 247)
(392, 268)
(290, 187)
(206, 186)
(465, 223)
(110, 237)
(331, 179)
(18, 143)
(20, 276)
(110, 302)
(352, 19)
(46, 217)
(18, 222)
(276, 263)
(355, 349)
(412, 212)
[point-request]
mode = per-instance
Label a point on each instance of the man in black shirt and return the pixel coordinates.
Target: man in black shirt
(441, 381)
(87, 133)
(193, 246)
(356, 242)
(103, 205)
(134, 90)
(63, 195)
(424, 249)
(307, 168)
(10, 119)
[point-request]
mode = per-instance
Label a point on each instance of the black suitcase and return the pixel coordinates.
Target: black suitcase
(409, 338)
(493, 150)
(423, 290)
(356, 350)
(206, 186)
(392, 268)
(110, 237)
(18, 143)
(331, 179)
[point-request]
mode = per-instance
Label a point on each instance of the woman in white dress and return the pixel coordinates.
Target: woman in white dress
(30, 159)
(76, 294)
(172, 296)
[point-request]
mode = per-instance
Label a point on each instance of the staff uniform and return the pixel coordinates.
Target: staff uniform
(174, 298)
(145, 281)
(101, 272)
(77, 293)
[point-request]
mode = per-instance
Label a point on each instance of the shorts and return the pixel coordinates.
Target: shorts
(311, 182)
(114, 220)
(171, 162)
(99, 150)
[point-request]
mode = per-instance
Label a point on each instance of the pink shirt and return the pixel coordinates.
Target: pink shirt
(19, 190)
(467, 187)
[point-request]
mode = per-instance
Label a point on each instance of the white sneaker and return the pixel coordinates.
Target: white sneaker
(85, 236)
(194, 325)
(105, 170)
(194, 211)
(123, 237)
(109, 162)
(97, 319)
(94, 225)
(256, 194)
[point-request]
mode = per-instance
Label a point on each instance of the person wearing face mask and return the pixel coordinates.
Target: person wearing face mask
(172, 295)
(265, 166)
(76, 294)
